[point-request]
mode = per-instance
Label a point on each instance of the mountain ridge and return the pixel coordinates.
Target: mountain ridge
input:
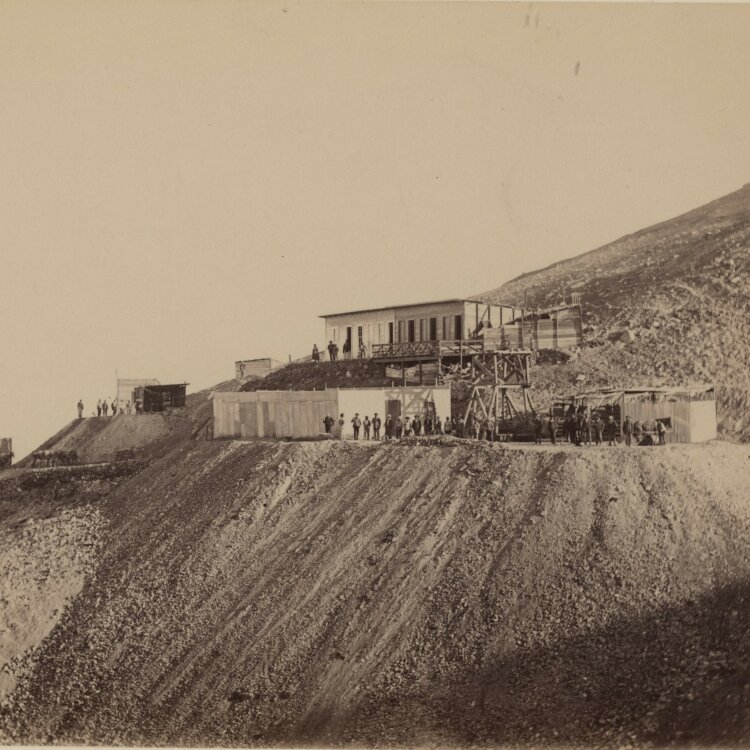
(666, 305)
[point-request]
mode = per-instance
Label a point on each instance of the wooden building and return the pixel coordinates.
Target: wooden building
(385, 331)
(159, 397)
(245, 369)
(688, 413)
(126, 387)
(446, 320)
(6, 453)
(557, 328)
(300, 414)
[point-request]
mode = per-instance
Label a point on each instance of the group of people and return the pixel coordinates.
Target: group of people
(580, 428)
(333, 351)
(395, 428)
(103, 408)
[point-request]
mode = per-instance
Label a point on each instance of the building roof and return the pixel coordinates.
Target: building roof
(412, 304)
(666, 390)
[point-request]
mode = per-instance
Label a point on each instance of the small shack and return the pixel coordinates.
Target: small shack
(126, 387)
(6, 453)
(255, 368)
(688, 413)
(556, 328)
(159, 397)
(300, 414)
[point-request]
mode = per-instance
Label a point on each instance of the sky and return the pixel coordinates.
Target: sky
(189, 184)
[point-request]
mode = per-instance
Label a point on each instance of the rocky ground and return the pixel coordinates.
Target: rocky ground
(433, 592)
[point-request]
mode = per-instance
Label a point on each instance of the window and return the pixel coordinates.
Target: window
(433, 329)
(359, 335)
(421, 330)
(390, 333)
(380, 333)
(459, 326)
(410, 330)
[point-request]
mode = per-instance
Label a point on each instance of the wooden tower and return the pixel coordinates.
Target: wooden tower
(500, 383)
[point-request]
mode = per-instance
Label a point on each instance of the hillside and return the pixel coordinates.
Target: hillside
(445, 593)
(682, 290)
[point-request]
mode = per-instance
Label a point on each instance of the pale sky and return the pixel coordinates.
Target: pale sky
(185, 184)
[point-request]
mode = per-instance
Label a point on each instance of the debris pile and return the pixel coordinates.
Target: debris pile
(425, 592)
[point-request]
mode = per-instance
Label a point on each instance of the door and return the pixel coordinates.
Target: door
(433, 329)
(393, 408)
(410, 328)
(459, 326)
(348, 343)
(390, 333)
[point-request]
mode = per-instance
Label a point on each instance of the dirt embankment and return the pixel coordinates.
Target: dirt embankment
(274, 593)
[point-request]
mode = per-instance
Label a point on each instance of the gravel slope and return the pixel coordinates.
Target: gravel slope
(295, 593)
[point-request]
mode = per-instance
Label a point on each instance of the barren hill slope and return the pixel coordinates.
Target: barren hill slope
(446, 592)
(682, 287)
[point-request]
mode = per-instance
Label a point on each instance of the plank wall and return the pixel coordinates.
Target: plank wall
(277, 414)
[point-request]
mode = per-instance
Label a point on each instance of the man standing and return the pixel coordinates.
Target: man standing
(399, 428)
(438, 429)
(366, 424)
(341, 427)
(376, 427)
(335, 352)
(597, 425)
(388, 427)
(537, 430)
(460, 427)
(331, 355)
(105, 407)
(99, 408)
(315, 353)
(80, 408)
(627, 431)
(552, 428)
(328, 423)
(428, 425)
(662, 432)
(416, 425)
(586, 426)
(611, 430)
(447, 426)
(356, 422)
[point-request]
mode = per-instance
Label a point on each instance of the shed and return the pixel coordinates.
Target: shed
(688, 413)
(255, 368)
(159, 397)
(6, 453)
(300, 414)
(127, 386)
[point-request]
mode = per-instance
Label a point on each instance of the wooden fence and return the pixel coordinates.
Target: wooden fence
(277, 414)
